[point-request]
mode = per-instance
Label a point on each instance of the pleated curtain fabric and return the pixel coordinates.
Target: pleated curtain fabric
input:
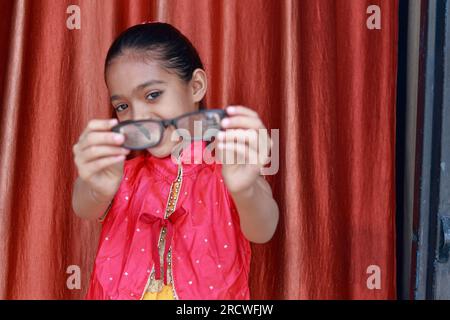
(311, 68)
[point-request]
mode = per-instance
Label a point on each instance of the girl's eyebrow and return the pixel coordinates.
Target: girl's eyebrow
(140, 87)
(148, 83)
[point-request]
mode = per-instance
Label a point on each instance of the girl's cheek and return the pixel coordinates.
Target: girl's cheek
(169, 136)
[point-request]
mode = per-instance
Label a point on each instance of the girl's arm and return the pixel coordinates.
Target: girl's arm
(85, 204)
(245, 137)
(258, 211)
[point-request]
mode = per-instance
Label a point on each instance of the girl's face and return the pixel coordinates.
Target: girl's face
(145, 90)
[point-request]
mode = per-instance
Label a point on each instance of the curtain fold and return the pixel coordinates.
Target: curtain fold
(312, 69)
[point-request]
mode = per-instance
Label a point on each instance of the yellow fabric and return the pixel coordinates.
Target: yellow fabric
(165, 294)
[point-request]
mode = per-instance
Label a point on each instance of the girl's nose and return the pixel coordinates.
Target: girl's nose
(142, 111)
(145, 115)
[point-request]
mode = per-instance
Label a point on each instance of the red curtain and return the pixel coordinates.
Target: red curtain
(311, 68)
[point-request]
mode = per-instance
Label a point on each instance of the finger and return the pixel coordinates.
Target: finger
(241, 135)
(99, 151)
(241, 110)
(242, 122)
(93, 167)
(98, 125)
(96, 138)
(239, 153)
(259, 142)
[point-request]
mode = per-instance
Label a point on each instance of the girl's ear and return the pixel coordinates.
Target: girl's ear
(199, 84)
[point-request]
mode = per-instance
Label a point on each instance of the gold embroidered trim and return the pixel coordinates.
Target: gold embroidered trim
(156, 285)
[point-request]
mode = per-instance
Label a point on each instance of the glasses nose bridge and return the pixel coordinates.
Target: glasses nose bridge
(169, 122)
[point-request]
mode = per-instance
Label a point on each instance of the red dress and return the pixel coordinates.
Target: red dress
(206, 253)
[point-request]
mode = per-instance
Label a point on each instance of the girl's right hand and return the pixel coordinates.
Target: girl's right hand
(100, 159)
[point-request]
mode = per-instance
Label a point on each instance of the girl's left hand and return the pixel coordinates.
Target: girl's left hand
(243, 148)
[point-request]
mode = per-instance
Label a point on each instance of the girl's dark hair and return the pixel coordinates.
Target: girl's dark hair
(161, 42)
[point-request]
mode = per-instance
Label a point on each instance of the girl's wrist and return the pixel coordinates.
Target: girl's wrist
(246, 193)
(98, 199)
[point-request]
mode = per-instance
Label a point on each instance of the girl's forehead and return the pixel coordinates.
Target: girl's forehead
(125, 73)
(135, 67)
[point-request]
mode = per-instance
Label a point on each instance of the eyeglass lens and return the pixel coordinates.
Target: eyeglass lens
(198, 126)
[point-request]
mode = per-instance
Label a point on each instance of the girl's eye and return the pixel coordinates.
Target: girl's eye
(153, 95)
(121, 107)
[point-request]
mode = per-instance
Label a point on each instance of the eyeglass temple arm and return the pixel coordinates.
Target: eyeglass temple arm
(173, 122)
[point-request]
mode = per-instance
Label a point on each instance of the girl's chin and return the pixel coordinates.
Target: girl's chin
(161, 151)
(157, 152)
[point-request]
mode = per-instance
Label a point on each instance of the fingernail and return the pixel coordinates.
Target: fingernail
(231, 109)
(118, 137)
(225, 122)
(113, 122)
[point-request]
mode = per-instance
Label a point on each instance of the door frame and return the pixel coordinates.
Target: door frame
(423, 148)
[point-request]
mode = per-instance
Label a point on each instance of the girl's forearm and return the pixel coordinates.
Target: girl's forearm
(258, 211)
(84, 204)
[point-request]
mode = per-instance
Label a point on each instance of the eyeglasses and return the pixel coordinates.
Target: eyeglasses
(143, 134)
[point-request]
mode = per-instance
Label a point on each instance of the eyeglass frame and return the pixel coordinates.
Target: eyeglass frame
(164, 124)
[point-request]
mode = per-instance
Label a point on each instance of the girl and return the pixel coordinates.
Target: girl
(171, 230)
